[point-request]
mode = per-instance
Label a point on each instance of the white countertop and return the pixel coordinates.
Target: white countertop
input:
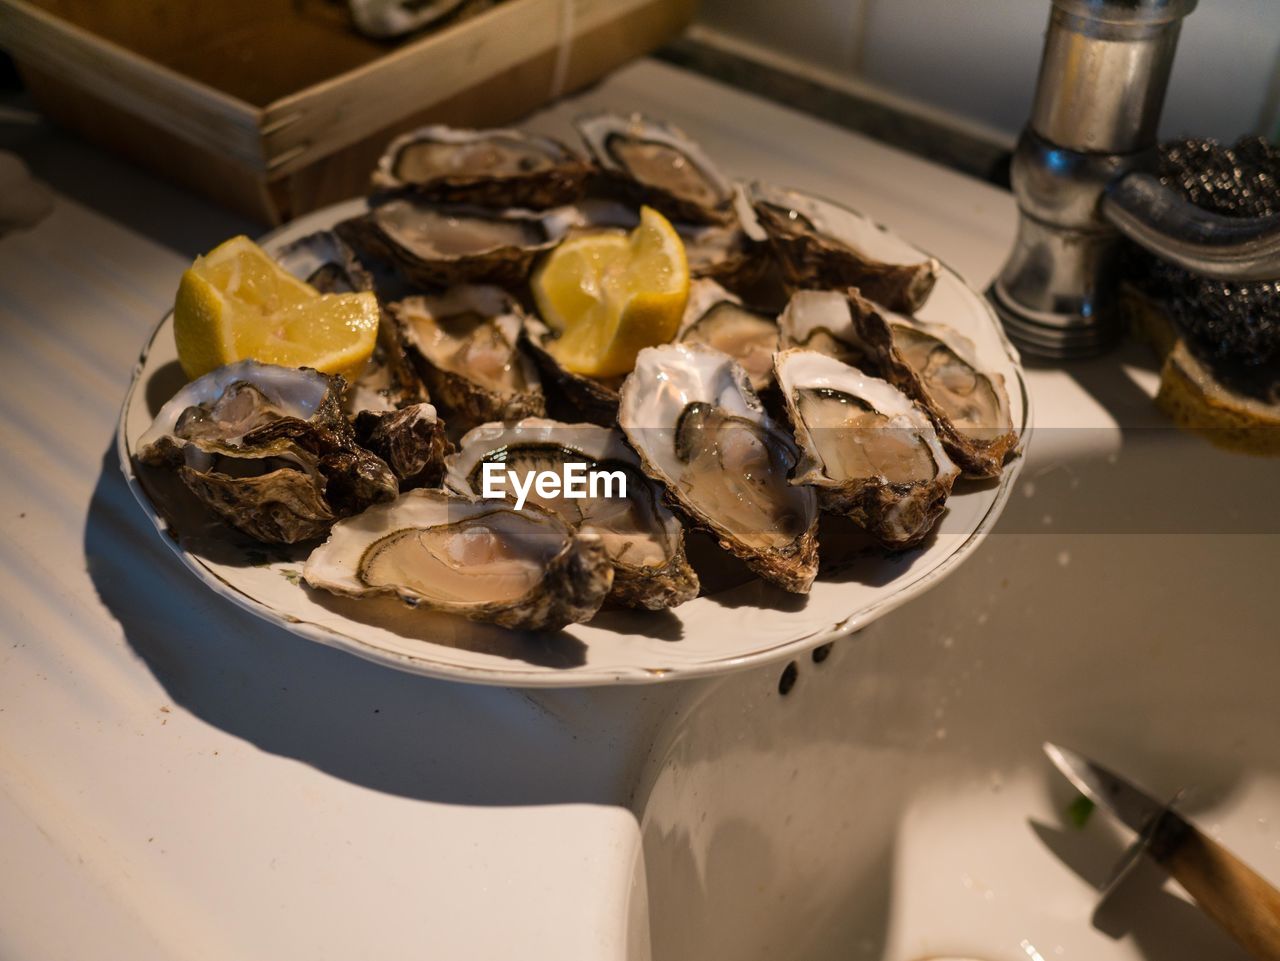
(181, 780)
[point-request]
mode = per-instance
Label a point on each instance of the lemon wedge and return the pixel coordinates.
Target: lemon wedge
(236, 303)
(611, 294)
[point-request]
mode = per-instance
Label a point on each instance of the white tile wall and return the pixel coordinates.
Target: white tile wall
(977, 59)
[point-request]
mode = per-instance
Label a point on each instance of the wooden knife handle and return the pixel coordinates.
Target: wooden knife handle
(1229, 891)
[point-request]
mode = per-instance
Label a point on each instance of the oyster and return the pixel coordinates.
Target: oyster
(870, 452)
(933, 364)
(651, 162)
(412, 441)
(726, 254)
(816, 252)
(436, 245)
(596, 400)
(482, 560)
(718, 319)
(699, 428)
(642, 537)
(464, 343)
(488, 168)
(937, 367)
(268, 449)
(821, 320)
(328, 264)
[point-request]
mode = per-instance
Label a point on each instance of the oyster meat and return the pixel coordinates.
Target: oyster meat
(868, 450)
(437, 245)
(651, 162)
(933, 364)
(327, 263)
(717, 318)
(464, 343)
(482, 560)
(643, 539)
(487, 168)
(817, 253)
(411, 440)
(699, 428)
(268, 449)
(938, 367)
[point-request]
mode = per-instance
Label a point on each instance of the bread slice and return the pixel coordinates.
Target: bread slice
(1191, 395)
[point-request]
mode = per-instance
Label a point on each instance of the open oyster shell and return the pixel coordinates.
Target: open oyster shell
(717, 318)
(327, 263)
(487, 168)
(937, 367)
(817, 253)
(464, 344)
(651, 162)
(868, 450)
(931, 363)
(482, 560)
(699, 428)
(437, 245)
(644, 540)
(268, 450)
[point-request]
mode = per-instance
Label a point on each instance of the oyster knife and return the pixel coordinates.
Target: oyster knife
(1245, 905)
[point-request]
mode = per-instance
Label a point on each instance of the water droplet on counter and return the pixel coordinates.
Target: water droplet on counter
(1029, 489)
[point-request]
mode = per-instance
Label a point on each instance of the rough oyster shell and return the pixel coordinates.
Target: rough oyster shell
(717, 318)
(327, 263)
(487, 168)
(482, 560)
(595, 400)
(817, 253)
(436, 245)
(464, 344)
(268, 449)
(870, 452)
(650, 162)
(933, 364)
(699, 428)
(643, 538)
(412, 441)
(725, 254)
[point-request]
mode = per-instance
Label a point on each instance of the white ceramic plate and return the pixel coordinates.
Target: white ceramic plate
(736, 626)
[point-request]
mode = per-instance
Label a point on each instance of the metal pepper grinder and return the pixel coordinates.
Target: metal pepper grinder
(1102, 83)
(1082, 178)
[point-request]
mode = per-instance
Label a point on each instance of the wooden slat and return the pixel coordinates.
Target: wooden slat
(190, 110)
(354, 105)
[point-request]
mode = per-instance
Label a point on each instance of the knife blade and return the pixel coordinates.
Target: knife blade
(1134, 808)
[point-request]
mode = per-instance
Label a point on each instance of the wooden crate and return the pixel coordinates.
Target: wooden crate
(276, 107)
